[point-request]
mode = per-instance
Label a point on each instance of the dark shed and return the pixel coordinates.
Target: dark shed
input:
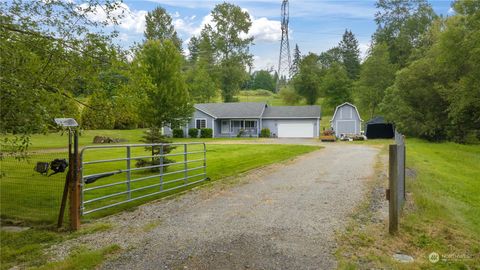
(377, 128)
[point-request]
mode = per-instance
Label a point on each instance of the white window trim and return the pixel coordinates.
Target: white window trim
(204, 119)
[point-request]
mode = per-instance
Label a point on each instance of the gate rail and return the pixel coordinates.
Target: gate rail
(130, 192)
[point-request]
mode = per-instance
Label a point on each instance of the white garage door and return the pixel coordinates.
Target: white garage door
(295, 130)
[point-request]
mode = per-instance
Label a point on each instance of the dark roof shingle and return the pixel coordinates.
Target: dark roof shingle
(310, 111)
(257, 110)
(233, 110)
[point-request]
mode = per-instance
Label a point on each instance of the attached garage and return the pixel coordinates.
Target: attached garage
(292, 121)
(293, 129)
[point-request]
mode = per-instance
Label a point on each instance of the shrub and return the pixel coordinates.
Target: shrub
(206, 133)
(240, 133)
(289, 96)
(193, 132)
(177, 133)
(265, 133)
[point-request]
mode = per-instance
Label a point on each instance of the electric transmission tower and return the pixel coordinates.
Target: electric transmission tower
(284, 61)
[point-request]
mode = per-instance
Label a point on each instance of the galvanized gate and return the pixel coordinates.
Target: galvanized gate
(112, 175)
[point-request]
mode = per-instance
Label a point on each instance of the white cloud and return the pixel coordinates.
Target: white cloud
(364, 48)
(266, 30)
(265, 62)
(262, 29)
(127, 19)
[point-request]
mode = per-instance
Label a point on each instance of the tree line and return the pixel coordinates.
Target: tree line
(421, 71)
(58, 61)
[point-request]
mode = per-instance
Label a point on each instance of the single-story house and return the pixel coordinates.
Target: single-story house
(378, 128)
(346, 120)
(248, 119)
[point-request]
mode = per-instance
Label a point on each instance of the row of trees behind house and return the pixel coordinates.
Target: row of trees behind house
(421, 71)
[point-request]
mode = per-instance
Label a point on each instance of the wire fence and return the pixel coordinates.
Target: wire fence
(30, 191)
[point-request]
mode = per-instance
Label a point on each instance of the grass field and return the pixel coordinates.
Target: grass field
(441, 215)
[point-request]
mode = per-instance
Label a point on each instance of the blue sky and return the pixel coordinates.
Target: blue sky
(315, 26)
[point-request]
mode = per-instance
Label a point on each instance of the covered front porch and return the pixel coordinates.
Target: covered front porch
(237, 127)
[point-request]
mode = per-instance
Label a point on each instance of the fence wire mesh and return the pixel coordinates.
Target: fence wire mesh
(30, 194)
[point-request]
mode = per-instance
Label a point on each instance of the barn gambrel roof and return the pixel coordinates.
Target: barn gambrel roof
(343, 104)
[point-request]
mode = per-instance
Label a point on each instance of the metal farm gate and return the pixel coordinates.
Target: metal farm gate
(118, 174)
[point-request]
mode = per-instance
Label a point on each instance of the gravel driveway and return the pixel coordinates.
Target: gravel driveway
(282, 216)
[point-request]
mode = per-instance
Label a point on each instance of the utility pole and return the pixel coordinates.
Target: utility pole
(284, 61)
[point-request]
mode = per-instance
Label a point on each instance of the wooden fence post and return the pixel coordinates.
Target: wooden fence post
(393, 189)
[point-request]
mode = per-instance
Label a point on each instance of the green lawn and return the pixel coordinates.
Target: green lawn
(441, 215)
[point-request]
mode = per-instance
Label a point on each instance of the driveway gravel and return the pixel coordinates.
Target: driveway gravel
(282, 216)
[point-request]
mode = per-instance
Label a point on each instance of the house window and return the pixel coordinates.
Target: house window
(200, 123)
(250, 124)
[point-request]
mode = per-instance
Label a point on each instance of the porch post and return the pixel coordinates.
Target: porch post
(259, 126)
(213, 127)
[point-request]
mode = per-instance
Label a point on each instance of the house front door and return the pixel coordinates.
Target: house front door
(225, 126)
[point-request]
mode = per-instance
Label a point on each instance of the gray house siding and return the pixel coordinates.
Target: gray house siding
(231, 119)
(232, 129)
(272, 124)
(346, 120)
(199, 115)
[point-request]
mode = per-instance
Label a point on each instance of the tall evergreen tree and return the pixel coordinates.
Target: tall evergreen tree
(193, 48)
(158, 25)
(297, 57)
(350, 54)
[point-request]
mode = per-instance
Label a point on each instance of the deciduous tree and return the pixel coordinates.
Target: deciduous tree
(336, 86)
(307, 81)
(231, 24)
(376, 76)
(167, 100)
(401, 25)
